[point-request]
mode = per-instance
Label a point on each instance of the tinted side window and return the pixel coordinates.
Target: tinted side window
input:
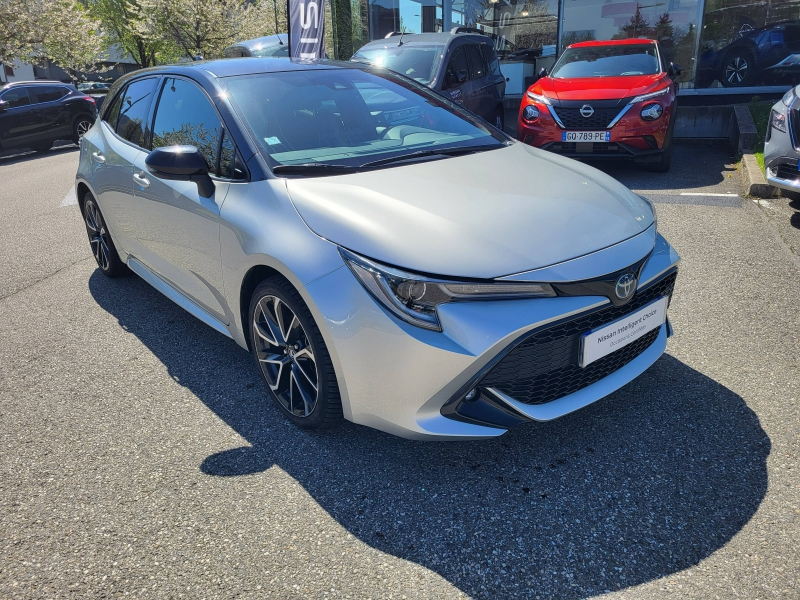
(111, 114)
(16, 97)
(230, 166)
(490, 57)
(477, 69)
(45, 93)
(185, 116)
(133, 110)
(458, 64)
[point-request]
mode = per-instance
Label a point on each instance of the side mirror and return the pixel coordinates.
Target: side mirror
(543, 72)
(674, 70)
(182, 163)
(462, 75)
(3, 106)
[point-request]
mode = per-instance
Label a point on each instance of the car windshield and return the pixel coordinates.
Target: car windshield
(417, 62)
(351, 117)
(607, 61)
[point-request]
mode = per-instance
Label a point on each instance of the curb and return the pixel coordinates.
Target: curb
(753, 181)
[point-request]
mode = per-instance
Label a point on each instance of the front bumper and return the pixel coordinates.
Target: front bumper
(782, 151)
(631, 137)
(410, 382)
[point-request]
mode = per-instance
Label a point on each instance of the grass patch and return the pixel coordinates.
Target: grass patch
(760, 111)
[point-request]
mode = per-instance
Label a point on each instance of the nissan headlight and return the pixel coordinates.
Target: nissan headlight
(414, 298)
(538, 98)
(651, 112)
(649, 96)
(778, 120)
(530, 113)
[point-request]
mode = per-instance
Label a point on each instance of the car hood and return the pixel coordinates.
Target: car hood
(482, 215)
(598, 88)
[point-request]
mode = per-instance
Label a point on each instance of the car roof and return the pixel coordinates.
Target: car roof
(415, 39)
(263, 42)
(248, 65)
(626, 42)
(36, 82)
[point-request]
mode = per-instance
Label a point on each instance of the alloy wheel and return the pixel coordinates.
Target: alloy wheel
(82, 127)
(98, 236)
(285, 356)
(736, 71)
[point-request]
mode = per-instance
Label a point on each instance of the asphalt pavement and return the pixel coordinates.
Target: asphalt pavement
(141, 458)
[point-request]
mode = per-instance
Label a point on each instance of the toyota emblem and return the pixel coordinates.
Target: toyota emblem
(625, 287)
(587, 111)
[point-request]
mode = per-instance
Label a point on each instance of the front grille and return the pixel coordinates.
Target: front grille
(593, 148)
(794, 127)
(573, 119)
(544, 366)
(789, 172)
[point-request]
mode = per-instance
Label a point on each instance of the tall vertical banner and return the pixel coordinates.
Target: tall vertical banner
(306, 28)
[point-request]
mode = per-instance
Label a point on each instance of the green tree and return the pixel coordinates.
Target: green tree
(58, 30)
(198, 27)
(117, 19)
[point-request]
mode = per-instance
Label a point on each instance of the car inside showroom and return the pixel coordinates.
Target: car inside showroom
(718, 43)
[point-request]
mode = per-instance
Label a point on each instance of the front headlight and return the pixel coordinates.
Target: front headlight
(644, 97)
(789, 97)
(651, 112)
(778, 120)
(538, 98)
(414, 298)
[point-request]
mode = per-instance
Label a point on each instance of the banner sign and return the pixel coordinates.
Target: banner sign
(306, 28)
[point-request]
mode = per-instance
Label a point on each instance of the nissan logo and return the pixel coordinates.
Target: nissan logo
(625, 287)
(587, 111)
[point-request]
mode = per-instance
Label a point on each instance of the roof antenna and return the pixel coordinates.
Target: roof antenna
(401, 36)
(279, 38)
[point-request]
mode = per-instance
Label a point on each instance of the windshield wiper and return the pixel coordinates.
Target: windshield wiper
(314, 169)
(433, 152)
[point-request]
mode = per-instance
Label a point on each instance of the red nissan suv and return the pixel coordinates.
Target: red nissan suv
(609, 99)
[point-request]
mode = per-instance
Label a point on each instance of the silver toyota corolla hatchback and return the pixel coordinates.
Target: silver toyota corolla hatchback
(386, 256)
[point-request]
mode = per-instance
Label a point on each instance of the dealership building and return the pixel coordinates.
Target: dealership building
(723, 46)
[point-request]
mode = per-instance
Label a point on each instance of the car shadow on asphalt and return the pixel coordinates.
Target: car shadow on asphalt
(25, 155)
(696, 165)
(645, 483)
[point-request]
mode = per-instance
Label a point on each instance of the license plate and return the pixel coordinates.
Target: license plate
(607, 339)
(585, 136)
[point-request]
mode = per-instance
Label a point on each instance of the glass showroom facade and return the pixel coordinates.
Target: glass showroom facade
(719, 43)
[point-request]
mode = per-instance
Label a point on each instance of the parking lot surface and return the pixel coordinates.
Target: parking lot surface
(140, 455)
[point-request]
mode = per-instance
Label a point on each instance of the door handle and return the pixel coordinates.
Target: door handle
(98, 157)
(141, 179)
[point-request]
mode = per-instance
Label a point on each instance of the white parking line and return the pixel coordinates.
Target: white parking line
(70, 198)
(707, 194)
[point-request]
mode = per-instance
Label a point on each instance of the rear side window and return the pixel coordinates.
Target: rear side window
(45, 93)
(16, 97)
(477, 70)
(185, 117)
(456, 68)
(112, 113)
(490, 58)
(133, 111)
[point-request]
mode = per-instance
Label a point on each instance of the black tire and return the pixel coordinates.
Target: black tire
(103, 249)
(43, 147)
(499, 118)
(80, 126)
(292, 350)
(738, 68)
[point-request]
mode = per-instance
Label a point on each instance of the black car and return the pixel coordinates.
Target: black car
(34, 114)
(771, 53)
(461, 65)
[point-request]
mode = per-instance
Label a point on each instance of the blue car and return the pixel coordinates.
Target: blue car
(771, 52)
